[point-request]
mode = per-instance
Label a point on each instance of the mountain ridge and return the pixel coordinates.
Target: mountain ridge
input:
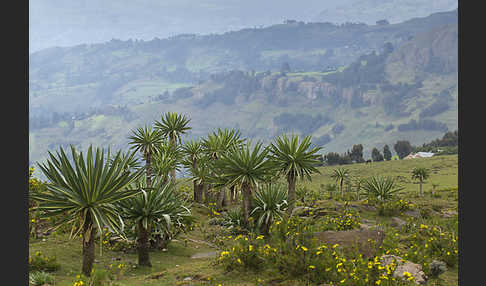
(352, 104)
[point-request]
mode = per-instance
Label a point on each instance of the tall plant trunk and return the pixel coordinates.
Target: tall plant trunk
(291, 193)
(89, 233)
(173, 141)
(246, 203)
(173, 176)
(341, 188)
(197, 197)
(232, 195)
(148, 166)
(195, 190)
(199, 193)
(420, 193)
(222, 200)
(143, 246)
(205, 190)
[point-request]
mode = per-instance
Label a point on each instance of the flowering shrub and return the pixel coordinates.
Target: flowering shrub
(245, 254)
(101, 277)
(40, 262)
(346, 221)
(291, 251)
(423, 244)
(428, 242)
(35, 221)
(112, 242)
(395, 207)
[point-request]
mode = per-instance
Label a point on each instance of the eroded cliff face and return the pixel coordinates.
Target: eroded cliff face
(435, 51)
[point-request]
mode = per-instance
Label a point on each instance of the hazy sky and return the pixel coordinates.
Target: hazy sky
(69, 22)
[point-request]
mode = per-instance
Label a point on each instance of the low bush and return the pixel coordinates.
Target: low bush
(394, 207)
(291, 250)
(40, 278)
(40, 262)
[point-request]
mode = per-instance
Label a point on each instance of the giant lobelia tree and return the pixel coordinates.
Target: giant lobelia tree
(84, 191)
(340, 175)
(158, 208)
(421, 174)
(294, 160)
(193, 152)
(147, 141)
(214, 146)
(245, 167)
(172, 126)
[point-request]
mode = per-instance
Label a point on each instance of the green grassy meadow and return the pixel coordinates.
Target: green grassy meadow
(172, 266)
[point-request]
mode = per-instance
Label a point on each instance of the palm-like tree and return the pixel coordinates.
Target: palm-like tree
(164, 161)
(217, 144)
(147, 141)
(84, 193)
(201, 175)
(421, 174)
(132, 161)
(154, 208)
(270, 204)
(357, 182)
(192, 151)
(381, 188)
(172, 126)
(245, 167)
(340, 175)
(294, 160)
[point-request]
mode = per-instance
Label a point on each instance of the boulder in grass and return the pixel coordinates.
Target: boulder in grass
(367, 240)
(412, 213)
(397, 222)
(403, 267)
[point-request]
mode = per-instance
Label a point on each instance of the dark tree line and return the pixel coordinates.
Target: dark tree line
(423, 124)
(305, 123)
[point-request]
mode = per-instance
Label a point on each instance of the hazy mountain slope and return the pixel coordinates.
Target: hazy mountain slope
(88, 76)
(395, 11)
(367, 102)
(67, 23)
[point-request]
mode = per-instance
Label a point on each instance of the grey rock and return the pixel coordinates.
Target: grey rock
(412, 213)
(397, 222)
(437, 267)
(405, 266)
(367, 240)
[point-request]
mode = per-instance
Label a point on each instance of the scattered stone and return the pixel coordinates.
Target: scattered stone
(364, 226)
(437, 267)
(205, 255)
(403, 266)
(367, 240)
(412, 213)
(156, 276)
(300, 211)
(397, 222)
(449, 213)
(187, 279)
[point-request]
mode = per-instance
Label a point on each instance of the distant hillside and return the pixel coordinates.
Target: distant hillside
(126, 72)
(68, 23)
(371, 11)
(97, 94)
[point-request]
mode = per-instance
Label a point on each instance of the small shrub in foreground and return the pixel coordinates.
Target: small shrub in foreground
(40, 262)
(40, 278)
